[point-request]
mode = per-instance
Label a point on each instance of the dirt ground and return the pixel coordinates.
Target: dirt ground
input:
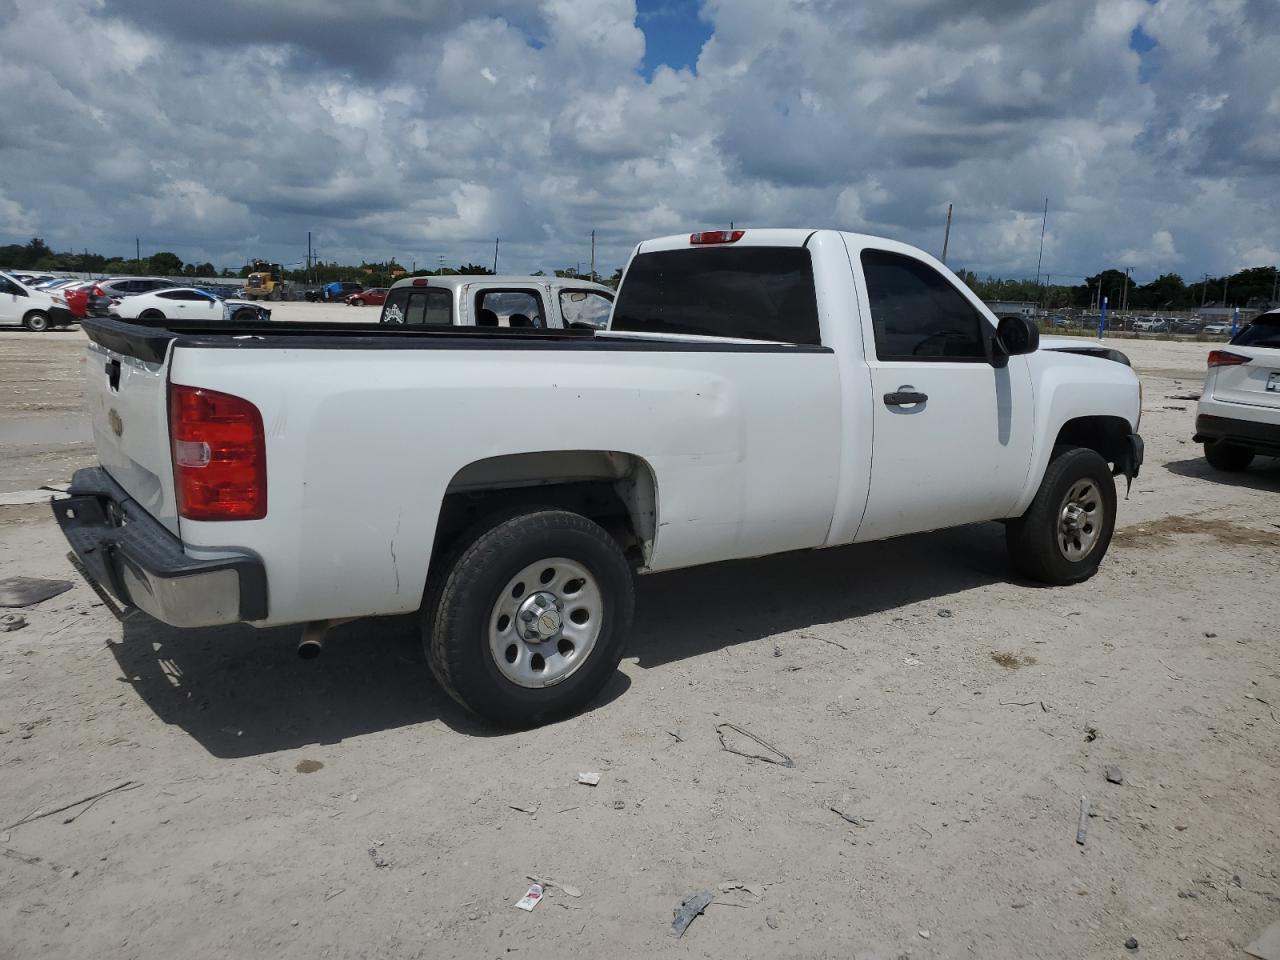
(955, 714)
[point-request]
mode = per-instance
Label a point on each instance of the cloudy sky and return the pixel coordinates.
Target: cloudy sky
(425, 128)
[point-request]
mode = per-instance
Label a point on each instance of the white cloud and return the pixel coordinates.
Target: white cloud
(420, 129)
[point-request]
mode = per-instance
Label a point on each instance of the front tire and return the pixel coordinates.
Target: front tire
(1064, 534)
(36, 321)
(530, 618)
(1228, 457)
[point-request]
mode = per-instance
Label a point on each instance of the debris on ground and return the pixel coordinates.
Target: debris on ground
(778, 757)
(690, 907)
(1267, 945)
(90, 800)
(851, 818)
(1131, 943)
(1114, 775)
(11, 622)
(619, 804)
(532, 898)
(25, 591)
(924, 934)
(1083, 825)
(755, 889)
(1090, 734)
(944, 613)
(777, 650)
(772, 921)
(589, 779)
(524, 808)
(567, 889)
(377, 858)
(308, 766)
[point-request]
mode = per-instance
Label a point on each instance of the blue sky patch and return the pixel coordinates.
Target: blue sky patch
(674, 33)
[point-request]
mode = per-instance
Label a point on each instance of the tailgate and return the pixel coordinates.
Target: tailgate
(1256, 383)
(127, 399)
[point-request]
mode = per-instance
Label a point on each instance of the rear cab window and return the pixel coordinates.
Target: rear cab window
(510, 308)
(747, 293)
(418, 306)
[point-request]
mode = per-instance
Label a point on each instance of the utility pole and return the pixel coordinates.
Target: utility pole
(1204, 290)
(1043, 223)
(1275, 282)
(137, 249)
(495, 254)
(1226, 282)
(440, 269)
(1124, 303)
(946, 237)
(310, 275)
(593, 256)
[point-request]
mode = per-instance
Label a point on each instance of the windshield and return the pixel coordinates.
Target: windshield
(1263, 332)
(751, 293)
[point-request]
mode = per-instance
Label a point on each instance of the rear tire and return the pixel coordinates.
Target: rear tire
(1064, 534)
(1227, 457)
(570, 594)
(151, 315)
(36, 321)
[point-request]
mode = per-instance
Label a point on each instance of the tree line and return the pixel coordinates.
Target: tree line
(1253, 288)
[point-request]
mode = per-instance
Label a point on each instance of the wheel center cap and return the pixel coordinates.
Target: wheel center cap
(1072, 516)
(540, 616)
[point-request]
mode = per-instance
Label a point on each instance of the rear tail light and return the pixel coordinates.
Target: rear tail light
(1225, 358)
(219, 455)
(97, 291)
(716, 236)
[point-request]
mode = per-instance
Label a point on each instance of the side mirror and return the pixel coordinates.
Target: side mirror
(1014, 336)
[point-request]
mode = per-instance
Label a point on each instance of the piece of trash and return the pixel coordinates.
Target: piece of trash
(755, 889)
(567, 889)
(1131, 943)
(335, 893)
(850, 818)
(772, 921)
(532, 898)
(924, 934)
(619, 804)
(589, 779)
(1090, 734)
(779, 758)
(25, 591)
(377, 858)
(1083, 825)
(777, 650)
(690, 907)
(1113, 775)
(910, 661)
(11, 622)
(90, 800)
(1267, 946)
(309, 766)
(1210, 635)
(944, 613)
(523, 808)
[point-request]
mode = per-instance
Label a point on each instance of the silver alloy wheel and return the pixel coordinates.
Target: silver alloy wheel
(545, 623)
(1080, 520)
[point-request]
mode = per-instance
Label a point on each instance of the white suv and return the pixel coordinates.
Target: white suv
(1239, 412)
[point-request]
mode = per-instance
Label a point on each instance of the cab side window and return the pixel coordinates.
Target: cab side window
(586, 307)
(917, 314)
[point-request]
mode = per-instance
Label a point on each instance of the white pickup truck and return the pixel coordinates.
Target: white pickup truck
(758, 391)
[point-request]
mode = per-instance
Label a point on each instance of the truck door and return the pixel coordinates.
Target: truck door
(951, 434)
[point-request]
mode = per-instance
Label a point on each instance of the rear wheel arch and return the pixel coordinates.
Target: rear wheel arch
(614, 489)
(151, 315)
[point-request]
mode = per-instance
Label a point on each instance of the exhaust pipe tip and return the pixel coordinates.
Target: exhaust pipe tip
(309, 648)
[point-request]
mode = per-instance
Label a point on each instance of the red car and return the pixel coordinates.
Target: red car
(77, 297)
(373, 297)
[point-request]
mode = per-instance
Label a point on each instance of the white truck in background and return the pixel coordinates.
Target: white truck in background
(757, 391)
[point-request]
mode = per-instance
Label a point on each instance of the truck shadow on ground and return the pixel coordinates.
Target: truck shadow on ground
(239, 691)
(1263, 473)
(691, 612)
